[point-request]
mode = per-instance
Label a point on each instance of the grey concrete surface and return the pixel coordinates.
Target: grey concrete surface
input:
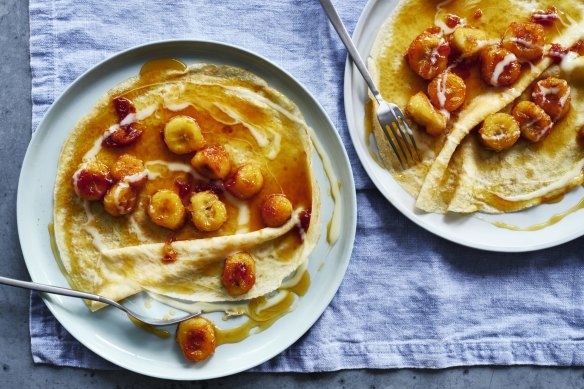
(16, 367)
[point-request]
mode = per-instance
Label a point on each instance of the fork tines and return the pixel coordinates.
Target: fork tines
(398, 134)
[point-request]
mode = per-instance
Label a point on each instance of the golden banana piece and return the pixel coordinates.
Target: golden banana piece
(207, 211)
(120, 199)
(212, 162)
(246, 182)
(499, 131)
(166, 209)
(423, 112)
(238, 275)
(276, 210)
(534, 123)
(183, 135)
(468, 41)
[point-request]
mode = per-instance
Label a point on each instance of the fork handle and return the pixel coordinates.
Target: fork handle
(51, 289)
(337, 23)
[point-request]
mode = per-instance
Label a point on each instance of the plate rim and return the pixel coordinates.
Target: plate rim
(350, 213)
(350, 73)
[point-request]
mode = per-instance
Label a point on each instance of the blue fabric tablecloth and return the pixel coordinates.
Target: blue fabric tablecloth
(409, 299)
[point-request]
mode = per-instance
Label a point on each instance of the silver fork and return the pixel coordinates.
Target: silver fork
(94, 297)
(391, 119)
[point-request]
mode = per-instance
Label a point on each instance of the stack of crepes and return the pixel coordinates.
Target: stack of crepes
(119, 256)
(457, 173)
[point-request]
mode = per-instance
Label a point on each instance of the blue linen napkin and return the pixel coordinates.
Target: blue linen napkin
(409, 298)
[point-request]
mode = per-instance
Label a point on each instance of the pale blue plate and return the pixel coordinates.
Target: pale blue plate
(108, 332)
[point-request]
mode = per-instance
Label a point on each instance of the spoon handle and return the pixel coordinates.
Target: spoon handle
(337, 23)
(50, 289)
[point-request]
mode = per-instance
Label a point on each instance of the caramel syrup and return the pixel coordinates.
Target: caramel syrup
(540, 226)
(160, 333)
(260, 320)
(302, 286)
(159, 65)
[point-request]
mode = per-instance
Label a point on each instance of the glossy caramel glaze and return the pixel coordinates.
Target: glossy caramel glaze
(475, 179)
(234, 109)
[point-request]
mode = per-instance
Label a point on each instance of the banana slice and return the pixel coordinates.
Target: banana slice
(182, 135)
(469, 41)
(534, 123)
(499, 131)
(166, 209)
(212, 162)
(276, 210)
(423, 112)
(238, 275)
(208, 212)
(120, 200)
(246, 182)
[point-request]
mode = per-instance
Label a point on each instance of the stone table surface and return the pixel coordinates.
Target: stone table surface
(16, 366)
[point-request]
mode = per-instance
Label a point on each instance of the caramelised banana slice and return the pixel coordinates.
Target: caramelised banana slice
(424, 113)
(207, 211)
(166, 209)
(447, 91)
(499, 131)
(553, 95)
(238, 275)
(525, 40)
(120, 199)
(197, 338)
(534, 123)
(468, 41)
(183, 135)
(276, 210)
(212, 162)
(246, 182)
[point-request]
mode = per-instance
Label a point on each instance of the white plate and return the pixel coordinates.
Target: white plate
(108, 332)
(468, 230)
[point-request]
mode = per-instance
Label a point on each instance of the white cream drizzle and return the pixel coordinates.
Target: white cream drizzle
(173, 167)
(137, 177)
(334, 225)
(572, 66)
(140, 115)
(91, 230)
(117, 192)
(76, 178)
(243, 92)
(135, 227)
(260, 138)
(544, 92)
(558, 184)
(94, 150)
(569, 61)
(272, 145)
(495, 137)
(500, 67)
(444, 27)
(243, 212)
(441, 91)
(439, 22)
(524, 42)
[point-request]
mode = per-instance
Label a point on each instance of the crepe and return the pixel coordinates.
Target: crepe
(457, 173)
(119, 256)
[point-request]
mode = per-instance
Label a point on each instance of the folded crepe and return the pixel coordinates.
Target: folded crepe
(120, 256)
(457, 173)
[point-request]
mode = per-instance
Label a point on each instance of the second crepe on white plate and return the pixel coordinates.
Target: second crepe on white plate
(473, 230)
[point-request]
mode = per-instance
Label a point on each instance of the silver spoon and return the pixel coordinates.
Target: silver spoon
(94, 297)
